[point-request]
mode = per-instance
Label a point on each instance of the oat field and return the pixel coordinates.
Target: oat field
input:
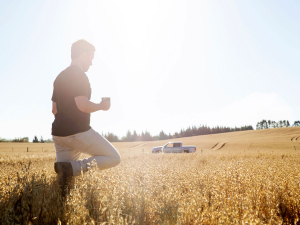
(249, 177)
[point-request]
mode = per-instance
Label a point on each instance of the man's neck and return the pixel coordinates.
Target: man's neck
(77, 63)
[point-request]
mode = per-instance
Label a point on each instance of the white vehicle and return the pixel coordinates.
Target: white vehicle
(174, 147)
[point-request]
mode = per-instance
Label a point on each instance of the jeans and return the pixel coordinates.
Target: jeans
(70, 148)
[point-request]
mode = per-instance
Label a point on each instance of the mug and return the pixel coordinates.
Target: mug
(106, 99)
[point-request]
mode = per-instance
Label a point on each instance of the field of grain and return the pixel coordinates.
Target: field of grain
(248, 177)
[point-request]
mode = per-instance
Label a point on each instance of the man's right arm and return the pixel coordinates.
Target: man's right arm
(54, 108)
(86, 106)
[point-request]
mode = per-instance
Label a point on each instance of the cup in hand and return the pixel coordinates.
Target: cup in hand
(106, 101)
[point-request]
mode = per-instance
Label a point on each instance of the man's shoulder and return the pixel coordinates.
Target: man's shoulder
(70, 73)
(73, 70)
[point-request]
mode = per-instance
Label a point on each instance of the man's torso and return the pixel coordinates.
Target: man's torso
(69, 120)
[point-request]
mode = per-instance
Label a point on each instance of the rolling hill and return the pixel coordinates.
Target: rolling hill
(257, 140)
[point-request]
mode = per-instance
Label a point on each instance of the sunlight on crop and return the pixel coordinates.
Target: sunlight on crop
(207, 188)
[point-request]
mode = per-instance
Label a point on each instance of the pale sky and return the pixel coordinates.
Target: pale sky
(166, 64)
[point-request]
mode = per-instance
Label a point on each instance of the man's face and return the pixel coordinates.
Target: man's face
(87, 59)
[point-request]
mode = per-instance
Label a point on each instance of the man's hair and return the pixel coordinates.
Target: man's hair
(81, 46)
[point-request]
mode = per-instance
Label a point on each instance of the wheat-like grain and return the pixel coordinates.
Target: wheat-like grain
(208, 188)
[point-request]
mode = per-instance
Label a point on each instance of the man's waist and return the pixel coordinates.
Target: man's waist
(67, 127)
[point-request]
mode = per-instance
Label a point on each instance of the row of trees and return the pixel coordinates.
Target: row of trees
(36, 140)
(190, 131)
(24, 139)
(267, 124)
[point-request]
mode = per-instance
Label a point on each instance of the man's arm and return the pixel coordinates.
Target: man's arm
(86, 106)
(54, 108)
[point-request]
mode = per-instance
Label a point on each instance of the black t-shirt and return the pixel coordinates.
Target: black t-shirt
(69, 120)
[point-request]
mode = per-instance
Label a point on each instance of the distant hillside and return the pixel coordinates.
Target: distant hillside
(277, 139)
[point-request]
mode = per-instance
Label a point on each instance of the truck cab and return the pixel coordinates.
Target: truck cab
(172, 147)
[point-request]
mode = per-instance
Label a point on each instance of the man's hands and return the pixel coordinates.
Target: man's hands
(86, 106)
(105, 104)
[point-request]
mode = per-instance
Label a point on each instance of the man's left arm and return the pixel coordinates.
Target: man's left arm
(86, 106)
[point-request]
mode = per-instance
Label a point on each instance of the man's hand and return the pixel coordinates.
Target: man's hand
(105, 105)
(86, 106)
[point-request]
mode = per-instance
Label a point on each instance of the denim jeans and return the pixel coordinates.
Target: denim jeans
(70, 148)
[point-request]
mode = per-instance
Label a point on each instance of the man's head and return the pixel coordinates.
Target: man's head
(83, 53)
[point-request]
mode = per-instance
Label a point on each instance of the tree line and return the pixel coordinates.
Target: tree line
(23, 139)
(188, 132)
(26, 140)
(36, 140)
(267, 124)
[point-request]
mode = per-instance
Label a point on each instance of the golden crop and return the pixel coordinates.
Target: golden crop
(214, 187)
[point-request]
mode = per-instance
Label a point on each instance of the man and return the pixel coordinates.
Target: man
(71, 129)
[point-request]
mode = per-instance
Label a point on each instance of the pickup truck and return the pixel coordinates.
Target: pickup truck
(174, 147)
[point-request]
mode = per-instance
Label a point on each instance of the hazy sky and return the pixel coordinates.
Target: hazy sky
(165, 64)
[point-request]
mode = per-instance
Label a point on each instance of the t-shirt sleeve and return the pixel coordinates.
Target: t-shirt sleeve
(80, 86)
